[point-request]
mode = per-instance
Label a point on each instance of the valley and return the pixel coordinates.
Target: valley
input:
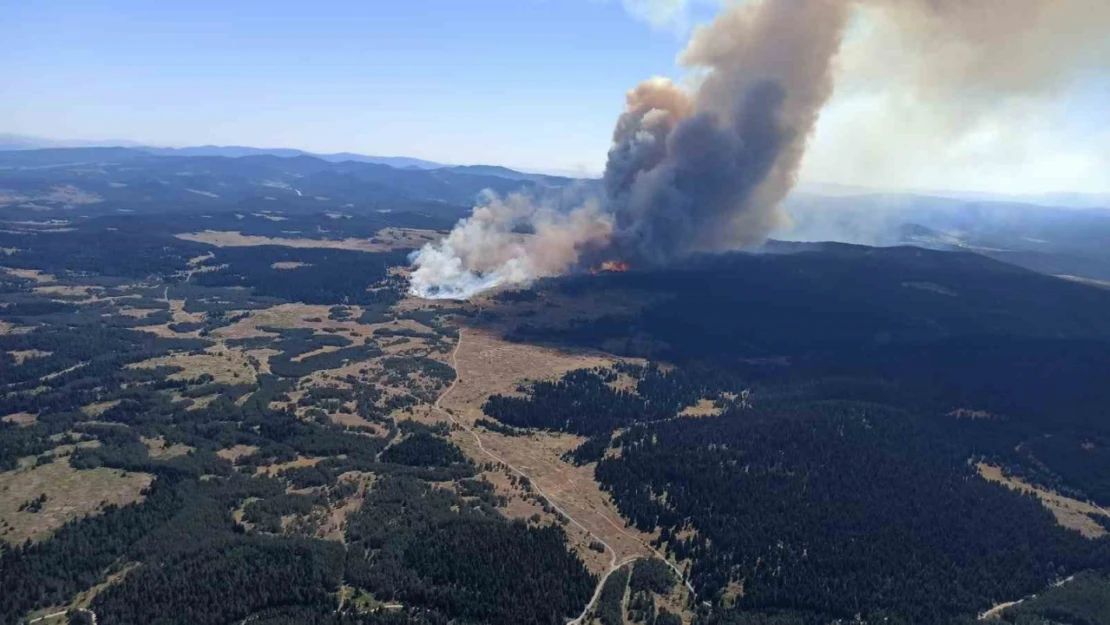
(252, 419)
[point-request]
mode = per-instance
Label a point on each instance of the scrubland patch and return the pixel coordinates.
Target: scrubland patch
(237, 451)
(487, 364)
(23, 355)
(490, 365)
(69, 194)
(1070, 513)
(315, 317)
(350, 419)
(224, 364)
(180, 315)
(704, 408)
(384, 241)
(273, 469)
(326, 349)
(281, 316)
(22, 419)
(136, 313)
(11, 328)
(68, 290)
(159, 449)
(333, 526)
(70, 494)
(97, 408)
(30, 274)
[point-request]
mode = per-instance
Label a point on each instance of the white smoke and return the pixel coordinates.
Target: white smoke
(511, 240)
(706, 169)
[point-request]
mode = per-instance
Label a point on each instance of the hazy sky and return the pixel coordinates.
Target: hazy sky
(527, 83)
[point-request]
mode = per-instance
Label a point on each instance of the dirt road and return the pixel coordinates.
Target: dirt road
(613, 563)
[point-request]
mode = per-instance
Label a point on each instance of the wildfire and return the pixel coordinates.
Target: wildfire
(611, 265)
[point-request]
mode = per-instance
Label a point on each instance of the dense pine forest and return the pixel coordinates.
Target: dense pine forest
(194, 559)
(222, 537)
(835, 476)
(800, 433)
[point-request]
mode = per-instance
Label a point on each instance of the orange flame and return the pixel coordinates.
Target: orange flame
(611, 265)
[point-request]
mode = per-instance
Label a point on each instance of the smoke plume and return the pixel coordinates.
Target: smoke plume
(507, 241)
(705, 169)
(973, 94)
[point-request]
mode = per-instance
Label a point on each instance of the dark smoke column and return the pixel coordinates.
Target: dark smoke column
(706, 171)
(689, 171)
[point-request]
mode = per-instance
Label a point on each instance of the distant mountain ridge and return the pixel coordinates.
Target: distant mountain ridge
(110, 179)
(236, 151)
(22, 142)
(12, 141)
(1053, 240)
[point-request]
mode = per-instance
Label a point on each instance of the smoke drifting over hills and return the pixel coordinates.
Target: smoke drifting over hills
(510, 240)
(705, 170)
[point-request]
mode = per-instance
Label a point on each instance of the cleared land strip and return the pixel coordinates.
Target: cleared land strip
(385, 240)
(614, 564)
(996, 612)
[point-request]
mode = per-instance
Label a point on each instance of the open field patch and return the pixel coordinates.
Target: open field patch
(180, 315)
(30, 274)
(223, 363)
(281, 316)
(487, 364)
(289, 265)
(1070, 513)
(22, 355)
(97, 408)
(159, 449)
(136, 313)
(349, 419)
(704, 408)
(384, 241)
(273, 469)
(237, 451)
(68, 290)
(69, 494)
(22, 419)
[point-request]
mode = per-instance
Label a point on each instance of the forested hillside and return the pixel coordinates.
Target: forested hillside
(233, 415)
(816, 454)
(209, 433)
(103, 181)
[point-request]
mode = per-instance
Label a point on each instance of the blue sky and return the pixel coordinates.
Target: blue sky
(534, 84)
(529, 83)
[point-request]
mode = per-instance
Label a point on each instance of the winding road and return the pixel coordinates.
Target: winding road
(92, 615)
(614, 564)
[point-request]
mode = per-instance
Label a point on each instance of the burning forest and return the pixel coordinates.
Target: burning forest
(705, 169)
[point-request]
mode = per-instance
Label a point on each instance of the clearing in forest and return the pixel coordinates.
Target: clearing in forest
(385, 240)
(1070, 513)
(69, 494)
(487, 364)
(225, 364)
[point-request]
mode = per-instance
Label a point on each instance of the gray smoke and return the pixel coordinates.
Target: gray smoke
(689, 171)
(489, 249)
(706, 169)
